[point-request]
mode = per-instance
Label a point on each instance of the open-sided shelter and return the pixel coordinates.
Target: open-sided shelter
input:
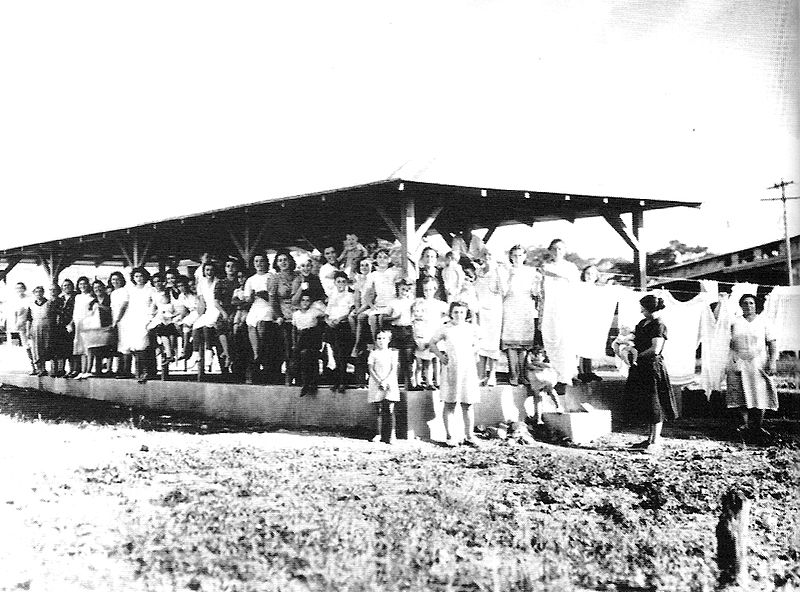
(394, 208)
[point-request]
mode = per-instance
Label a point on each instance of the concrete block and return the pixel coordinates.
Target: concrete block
(581, 427)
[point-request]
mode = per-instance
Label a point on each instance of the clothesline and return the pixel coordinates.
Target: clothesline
(654, 277)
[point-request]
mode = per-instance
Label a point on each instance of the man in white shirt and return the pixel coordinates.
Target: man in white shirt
(328, 269)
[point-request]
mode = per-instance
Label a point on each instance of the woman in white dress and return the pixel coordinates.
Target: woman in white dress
(752, 367)
(520, 311)
(489, 287)
(119, 304)
(204, 334)
(18, 318)
(80, 313)
(559, 341)
(133, 332)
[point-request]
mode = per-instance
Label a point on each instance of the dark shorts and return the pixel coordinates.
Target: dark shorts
(402, 337)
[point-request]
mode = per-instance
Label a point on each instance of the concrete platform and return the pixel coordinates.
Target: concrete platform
(283, 406)
(581, 427)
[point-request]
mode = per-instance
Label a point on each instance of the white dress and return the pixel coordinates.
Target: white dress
(132, 327)
(79, 315)
(748, 384)
(383, 282)
(434, 314)
(490, 313)
(205, 290)
(519, 307)
(385, 362)
(460, 383)
(119, 298)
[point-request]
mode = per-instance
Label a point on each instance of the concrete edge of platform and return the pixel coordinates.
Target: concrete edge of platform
(282, 406)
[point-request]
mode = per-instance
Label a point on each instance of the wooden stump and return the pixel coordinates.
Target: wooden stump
(732, 539)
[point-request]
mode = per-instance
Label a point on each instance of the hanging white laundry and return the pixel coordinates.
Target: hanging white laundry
(739, 290)
(715, 340)
(710, 288)
(559, 326)
(630, 311)
(683, 335)
(782, 311)
(593, 318)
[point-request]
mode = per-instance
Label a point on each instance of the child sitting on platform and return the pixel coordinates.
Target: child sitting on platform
(352, 252)
(163, 325)
(307, 342)
(338, 333)
(186, 313)
(541, 377)
(380, 289)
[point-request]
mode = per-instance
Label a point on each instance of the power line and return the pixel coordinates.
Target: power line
(782, 185)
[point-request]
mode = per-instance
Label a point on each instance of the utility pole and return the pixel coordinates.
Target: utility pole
(782, 185)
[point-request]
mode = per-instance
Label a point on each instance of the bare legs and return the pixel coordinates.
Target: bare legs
(516, 362)
(384, 421)
(487, 365)
(468, 417)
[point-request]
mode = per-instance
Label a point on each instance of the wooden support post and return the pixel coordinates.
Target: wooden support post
(408, 225)
(489, 234)
(425, 226)
(618, 224)
(125, 254)
(393, 228)
(242, 246)
(135, 251)
(639, 253)
(732, 539)
(138, 252)
(11, 264)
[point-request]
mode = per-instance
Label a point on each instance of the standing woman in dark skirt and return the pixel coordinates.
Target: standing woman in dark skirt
(65, 331)
(648, 380)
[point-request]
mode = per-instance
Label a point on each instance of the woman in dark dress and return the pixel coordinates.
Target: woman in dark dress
(428, 267)
(648, 381)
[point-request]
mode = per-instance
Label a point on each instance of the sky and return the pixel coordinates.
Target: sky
(121, 113)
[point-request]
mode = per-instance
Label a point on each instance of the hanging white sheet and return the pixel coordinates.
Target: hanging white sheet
(715, 340)
(683, 335)
(593, 318)
(630, 311)
(559, 326)
(782, 310)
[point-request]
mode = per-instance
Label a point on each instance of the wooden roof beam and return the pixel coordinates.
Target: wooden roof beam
(618, 224)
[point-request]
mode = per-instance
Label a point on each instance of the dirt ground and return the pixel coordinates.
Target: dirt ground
(96, 496)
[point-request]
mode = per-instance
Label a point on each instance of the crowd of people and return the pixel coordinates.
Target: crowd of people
(352, 317)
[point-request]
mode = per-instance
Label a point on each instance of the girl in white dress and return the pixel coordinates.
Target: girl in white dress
(520, 312)
(384, 390)
(79, 314)
(460, 384)
(431, 315)
(380, 289)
